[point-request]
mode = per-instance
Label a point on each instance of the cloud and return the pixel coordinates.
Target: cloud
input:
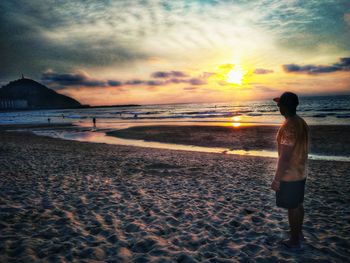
(80, 79)
(66, 35)
(71, 79)
(144, 82)
(63, 35)
(169, 74)
(347, 18)
(343, 65)
(193, 81)
(154, 83)
(134, 82)
(75, 80)
(262, 71)
(197, 81)
(114, 83)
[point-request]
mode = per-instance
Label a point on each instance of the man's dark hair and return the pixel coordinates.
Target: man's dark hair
(290, 100)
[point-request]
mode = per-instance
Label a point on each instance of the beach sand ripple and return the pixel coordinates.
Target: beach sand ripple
(67, 201)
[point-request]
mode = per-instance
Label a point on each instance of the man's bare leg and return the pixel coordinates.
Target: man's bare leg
(295, 218)
(301, 218)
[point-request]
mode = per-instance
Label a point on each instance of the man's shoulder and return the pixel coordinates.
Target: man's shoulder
(302, 122)
(290, 123)
(295, 122)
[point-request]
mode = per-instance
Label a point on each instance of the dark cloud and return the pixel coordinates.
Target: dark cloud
(169, 74)
(71, 79)
(114, 83)
(175, 80)
(192, 81)
(81, 79)
(154, 83)
(144, 82)
(28, 31)
(197, 81)
(306, 27)
(135, 82)
(310, 69)
(262, 71)
(343, 65)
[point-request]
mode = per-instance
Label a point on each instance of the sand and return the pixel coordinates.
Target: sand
(69, 201)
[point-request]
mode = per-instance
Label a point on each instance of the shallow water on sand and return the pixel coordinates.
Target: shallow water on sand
(101, 137)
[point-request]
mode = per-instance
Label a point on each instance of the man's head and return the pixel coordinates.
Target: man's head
(287, 103)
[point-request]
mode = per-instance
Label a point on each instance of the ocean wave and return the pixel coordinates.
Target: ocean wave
(76, 117)
(179, 117)
(244, 111)
(198, 112)
(343, 116)
(140, 112)
(319, 115)
(266, 110)
(254, 114)
(333, 109)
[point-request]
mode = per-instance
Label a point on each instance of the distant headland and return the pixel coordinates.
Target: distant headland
(28, 94)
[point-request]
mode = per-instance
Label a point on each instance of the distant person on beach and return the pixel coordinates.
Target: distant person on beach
(94, 122)
(48, 120)
(290, 177)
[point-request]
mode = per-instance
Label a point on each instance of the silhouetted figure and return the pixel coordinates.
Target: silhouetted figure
(290, 176)
(135, 116)
(48, 120)
(62, 116)
(94, 121)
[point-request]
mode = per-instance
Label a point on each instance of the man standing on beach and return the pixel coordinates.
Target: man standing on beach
(290, 177)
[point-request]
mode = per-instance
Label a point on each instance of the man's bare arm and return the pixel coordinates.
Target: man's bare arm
(283, 161)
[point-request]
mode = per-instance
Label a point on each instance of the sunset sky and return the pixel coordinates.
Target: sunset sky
(119, 52)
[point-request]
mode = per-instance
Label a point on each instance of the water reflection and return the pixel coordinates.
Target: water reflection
(236, 121)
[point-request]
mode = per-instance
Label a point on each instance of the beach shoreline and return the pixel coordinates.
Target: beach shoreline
(65, 200)
(324, 139)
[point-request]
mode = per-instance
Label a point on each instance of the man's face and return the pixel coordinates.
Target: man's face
(282, 109)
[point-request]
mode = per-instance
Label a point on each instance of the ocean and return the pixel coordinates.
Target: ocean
(324, 110)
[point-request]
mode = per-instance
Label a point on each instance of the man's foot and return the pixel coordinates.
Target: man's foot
(290, 244)
(301, 236)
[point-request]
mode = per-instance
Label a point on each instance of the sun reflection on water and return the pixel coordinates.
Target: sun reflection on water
(236, 121)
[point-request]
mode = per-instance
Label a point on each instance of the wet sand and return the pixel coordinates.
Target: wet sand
(324, 139)
(69, 201)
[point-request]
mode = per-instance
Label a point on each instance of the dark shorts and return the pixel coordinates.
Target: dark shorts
(291, 194)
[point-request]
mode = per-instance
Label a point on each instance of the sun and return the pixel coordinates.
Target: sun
(235, 76)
